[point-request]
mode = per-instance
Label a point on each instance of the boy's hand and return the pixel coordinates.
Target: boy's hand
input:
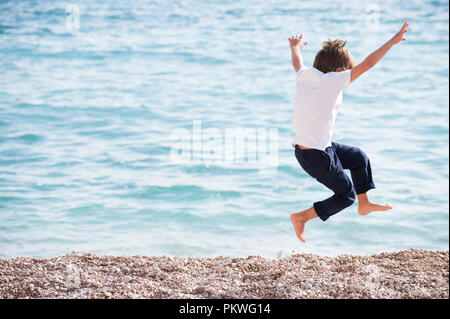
(399, 36)
(377, 55)
(296, 40)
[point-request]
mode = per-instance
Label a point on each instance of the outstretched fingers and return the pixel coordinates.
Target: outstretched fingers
(403, 30)
(405, 25)
(296, 37)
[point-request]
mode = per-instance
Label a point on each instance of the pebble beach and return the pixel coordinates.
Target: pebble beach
(412, 273)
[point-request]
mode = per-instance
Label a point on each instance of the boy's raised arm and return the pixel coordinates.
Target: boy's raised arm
(376, 56)
(296, 44)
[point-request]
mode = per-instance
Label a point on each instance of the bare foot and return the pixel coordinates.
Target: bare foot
(299, 220)
(368, 207)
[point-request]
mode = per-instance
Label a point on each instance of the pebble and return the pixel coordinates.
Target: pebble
(411, 273)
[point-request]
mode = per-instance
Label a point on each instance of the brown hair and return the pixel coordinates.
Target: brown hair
(333, 55)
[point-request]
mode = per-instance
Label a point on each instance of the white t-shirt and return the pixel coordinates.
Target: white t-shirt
(317, 101)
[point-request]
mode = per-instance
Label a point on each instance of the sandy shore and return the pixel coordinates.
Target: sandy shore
(406, 274)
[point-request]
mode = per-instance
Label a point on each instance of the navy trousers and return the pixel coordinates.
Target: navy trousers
(327, 167)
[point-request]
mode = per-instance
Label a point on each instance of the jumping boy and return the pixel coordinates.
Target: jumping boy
(318, 98)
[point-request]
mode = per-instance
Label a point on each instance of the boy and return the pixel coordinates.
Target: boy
(318, 98)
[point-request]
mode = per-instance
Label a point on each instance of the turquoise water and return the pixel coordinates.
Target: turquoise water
(86, 117)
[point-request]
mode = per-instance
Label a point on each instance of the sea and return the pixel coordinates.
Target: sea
(165, 127)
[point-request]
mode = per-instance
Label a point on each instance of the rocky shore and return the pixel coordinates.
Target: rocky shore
(411, 273)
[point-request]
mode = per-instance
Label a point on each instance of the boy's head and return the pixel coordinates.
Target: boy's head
(333, 57)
